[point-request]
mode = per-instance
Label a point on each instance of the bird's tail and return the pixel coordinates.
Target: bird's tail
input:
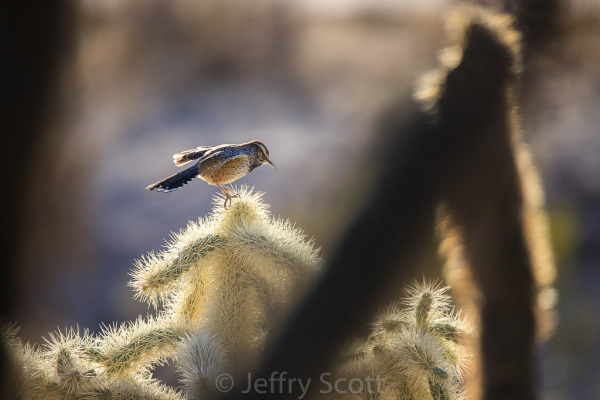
(175, 181)
(189, 155)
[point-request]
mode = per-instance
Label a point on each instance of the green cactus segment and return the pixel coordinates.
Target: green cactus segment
(438, 390)
(154, 275)
(136, 347)
(288, 253)
(422, 311)
(447, 331)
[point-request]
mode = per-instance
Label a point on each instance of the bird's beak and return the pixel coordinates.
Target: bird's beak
(271, 164)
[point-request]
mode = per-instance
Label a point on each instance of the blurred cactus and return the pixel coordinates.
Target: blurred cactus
(416, 352)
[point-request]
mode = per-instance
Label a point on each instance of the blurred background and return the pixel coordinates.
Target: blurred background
(144, 80)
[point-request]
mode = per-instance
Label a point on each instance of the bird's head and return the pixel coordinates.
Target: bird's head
(263, 153)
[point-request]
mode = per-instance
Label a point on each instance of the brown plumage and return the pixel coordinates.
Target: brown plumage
(217, 165)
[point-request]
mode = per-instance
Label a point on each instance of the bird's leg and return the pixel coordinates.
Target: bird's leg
(228, 193)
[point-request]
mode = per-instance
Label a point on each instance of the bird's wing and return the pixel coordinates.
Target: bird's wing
(189, 155)
(214, 161)
(175, 181)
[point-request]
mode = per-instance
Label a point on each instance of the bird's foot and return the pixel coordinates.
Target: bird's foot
(228, 198)
(229, 194)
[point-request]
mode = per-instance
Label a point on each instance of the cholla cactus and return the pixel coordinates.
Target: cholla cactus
(416, 352)
(221, 284)
(228, 276)
(61, 369)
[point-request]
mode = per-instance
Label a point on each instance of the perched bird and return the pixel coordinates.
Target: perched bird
(217, 165)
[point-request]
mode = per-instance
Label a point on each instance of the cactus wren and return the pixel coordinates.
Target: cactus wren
(217, 165)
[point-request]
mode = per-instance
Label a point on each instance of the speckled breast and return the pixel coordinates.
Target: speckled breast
(228, 172)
